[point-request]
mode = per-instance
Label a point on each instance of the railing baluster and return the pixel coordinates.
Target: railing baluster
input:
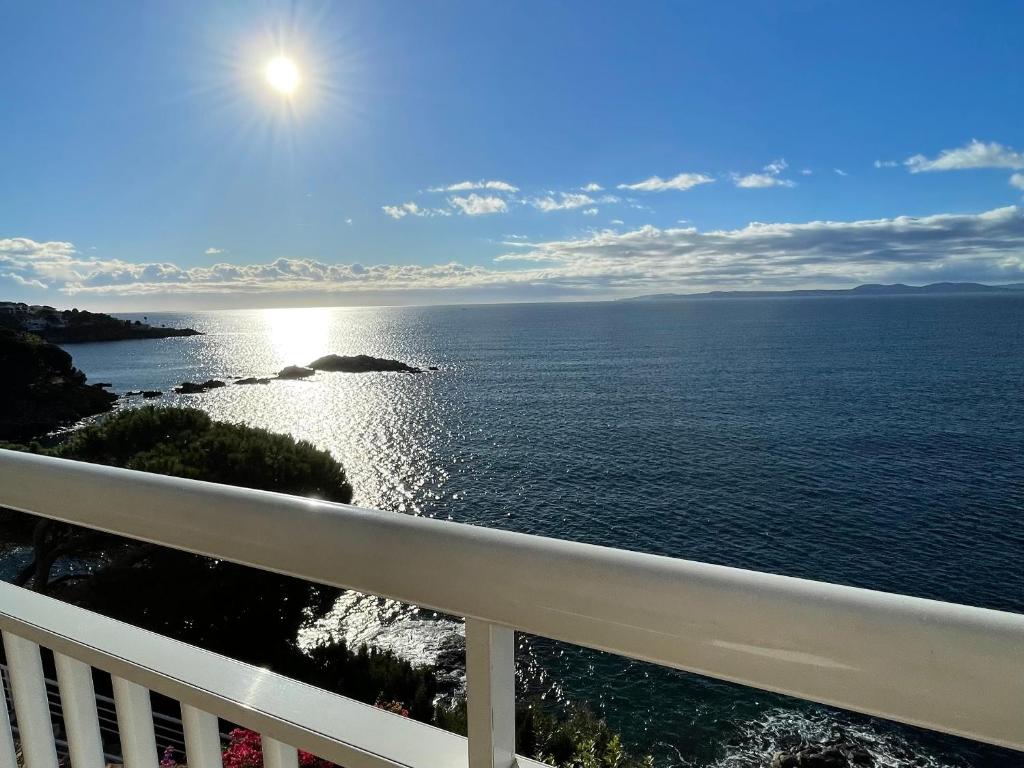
(490, 694)
(8, 758)
(135, 724)
(78, 704)
(202, 741)
(28, 689)
(278, 755)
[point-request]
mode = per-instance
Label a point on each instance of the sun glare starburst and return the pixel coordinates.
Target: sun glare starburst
(282, 75)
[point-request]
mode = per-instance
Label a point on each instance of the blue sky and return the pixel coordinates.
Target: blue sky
(147, 163)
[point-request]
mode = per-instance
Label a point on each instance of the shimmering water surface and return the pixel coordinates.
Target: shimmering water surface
(875, 442)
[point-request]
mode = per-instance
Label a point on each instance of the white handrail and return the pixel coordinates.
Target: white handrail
(943, 666)
(333, 727)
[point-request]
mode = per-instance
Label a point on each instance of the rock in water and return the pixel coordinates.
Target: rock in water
(295, 372)
(253, 380)
(840, 755)
(189, 388)
(360, 364)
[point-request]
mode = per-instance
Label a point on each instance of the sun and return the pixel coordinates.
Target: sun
(282, 74)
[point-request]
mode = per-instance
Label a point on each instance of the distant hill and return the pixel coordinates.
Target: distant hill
(871, 289)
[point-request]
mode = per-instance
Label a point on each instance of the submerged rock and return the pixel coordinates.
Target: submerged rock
(295, 372)
(360, 364)
(190, 388)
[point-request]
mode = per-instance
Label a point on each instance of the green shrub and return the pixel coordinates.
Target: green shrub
(186, 442)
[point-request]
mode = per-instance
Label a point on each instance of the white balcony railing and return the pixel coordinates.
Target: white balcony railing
(942, 666)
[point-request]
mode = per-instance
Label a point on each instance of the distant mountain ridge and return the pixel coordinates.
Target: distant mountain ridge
(868, 289)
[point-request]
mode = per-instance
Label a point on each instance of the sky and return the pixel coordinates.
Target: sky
(450, 152)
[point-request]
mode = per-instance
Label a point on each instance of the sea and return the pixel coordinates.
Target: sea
(871, 441)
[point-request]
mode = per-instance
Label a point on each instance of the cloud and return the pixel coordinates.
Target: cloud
(24, 282)
(349, 222)
(410, 209)
(806, 172)
(974, 154)
(770, 177)
(986, 246)
(885, 163)
(1017, 180)
(922, 249)
(840, 172)
(590, 212)
(468, 186)
(761, 180)
(477, 205)
(682, 182)
(592, 187)
(213, 251)
(402, 210)
(564, 202)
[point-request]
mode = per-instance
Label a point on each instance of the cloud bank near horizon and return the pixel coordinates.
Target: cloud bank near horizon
(985, 246)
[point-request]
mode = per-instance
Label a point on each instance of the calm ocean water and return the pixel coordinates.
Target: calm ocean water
(875, 442)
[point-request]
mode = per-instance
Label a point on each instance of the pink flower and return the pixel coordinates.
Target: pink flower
(245, 750)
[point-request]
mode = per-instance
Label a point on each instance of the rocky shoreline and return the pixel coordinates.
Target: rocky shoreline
(40, 389)
(73, 326)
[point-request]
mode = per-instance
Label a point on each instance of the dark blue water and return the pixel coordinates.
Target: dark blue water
(874, 442)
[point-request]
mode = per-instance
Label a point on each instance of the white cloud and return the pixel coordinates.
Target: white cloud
(681, 182)
(1017, 180)
(974, 154)
(410, 209)
(617, 221)
(806, 172)
(24, 282)
(564, 202)
(402, 210)
(885, 163)
(987, 246)
(760, 181)
(349, 222)
(770, 177)
(477, 205)
(213, 251)
(468, 186)
(590, 212)
(592, 187)
(840, 172)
